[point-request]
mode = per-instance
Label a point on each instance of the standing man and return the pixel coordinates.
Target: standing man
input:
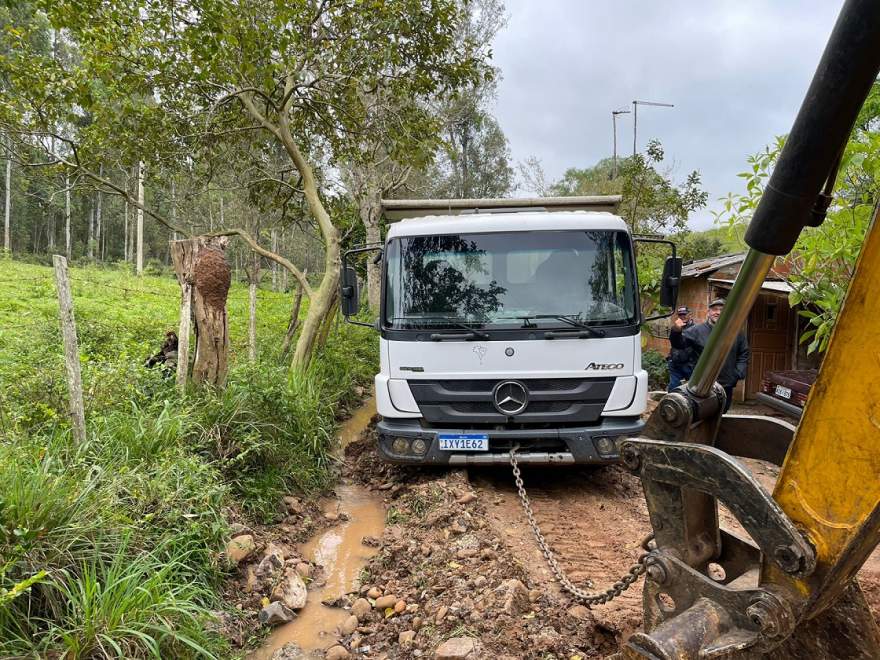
(681, 360)
(695, 337)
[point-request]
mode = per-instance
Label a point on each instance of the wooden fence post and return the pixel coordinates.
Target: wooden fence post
(71, 352)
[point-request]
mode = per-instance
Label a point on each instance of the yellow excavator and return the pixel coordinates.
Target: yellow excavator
(790, 590)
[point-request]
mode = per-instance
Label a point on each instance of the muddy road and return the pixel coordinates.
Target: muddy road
(443, 563)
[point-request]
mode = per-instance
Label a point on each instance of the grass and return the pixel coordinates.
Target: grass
(110, 548)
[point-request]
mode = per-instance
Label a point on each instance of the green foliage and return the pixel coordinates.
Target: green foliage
(658, 371)
(110, 548)
(652, 202)
(823, 260)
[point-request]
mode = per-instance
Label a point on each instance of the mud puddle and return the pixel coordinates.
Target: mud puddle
(339, 551)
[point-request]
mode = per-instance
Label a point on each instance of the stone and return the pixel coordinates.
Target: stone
(291, 590)
(400, 606)
(240, 548)
(516, 597)
(374, 593)
(467, 498)
(406, 637)
(480, 581)
(534, 595)
(349, 625)
(275, 613)
(441, 613)
(271, 563)
(331, 516)
(304, 569)
(361, 608)
(417, 623)
(337, 652)
(580, 612)
(251, 583)
(292, 504)
(457, 648)
(385, 601)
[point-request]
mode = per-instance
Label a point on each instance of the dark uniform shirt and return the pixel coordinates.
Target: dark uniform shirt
(695, 337)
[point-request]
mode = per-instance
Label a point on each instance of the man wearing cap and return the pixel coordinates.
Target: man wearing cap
(695, 337)
(681, 360)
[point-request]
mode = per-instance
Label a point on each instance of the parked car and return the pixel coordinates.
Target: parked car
(787, 391)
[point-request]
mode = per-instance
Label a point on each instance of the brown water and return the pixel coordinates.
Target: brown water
(339, 550)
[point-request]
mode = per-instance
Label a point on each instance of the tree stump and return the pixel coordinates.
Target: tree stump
(204, 277)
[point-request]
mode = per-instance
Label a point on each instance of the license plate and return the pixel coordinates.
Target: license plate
(463, 441)
(784, 392)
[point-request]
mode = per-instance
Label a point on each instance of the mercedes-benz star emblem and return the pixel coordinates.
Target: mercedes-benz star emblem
(510, 397)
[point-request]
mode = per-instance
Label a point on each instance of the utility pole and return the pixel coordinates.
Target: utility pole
(614, 114)
(635, 110)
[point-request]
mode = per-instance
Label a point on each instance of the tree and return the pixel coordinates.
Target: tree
(652, 203)
(291, 73)
(824, 258)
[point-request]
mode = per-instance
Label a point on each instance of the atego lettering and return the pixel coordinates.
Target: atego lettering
(602, 367)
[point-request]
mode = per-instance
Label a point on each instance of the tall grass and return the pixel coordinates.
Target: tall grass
(111, 548)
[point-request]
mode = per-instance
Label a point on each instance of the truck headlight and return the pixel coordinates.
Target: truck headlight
(419, 447)
(400, 446)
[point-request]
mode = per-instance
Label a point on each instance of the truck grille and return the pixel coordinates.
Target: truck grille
(558, 401)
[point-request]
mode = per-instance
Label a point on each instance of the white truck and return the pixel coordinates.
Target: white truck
(504, 323)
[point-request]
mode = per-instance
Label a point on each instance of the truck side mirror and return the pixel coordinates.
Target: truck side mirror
(670, 281)
(349, 299)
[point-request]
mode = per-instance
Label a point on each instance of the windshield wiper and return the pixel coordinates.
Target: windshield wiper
(565, 318)
(472, 333)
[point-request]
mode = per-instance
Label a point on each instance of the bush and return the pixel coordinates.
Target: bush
(658, 372)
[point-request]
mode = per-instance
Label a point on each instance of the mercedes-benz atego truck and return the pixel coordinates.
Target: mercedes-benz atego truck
(508, 323)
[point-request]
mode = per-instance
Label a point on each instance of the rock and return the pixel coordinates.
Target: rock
(240, 548)
(400, 606)
(467, 498)
(457, 648)
(371, 542)
(349, 625)
(374, 593)
(534, 595)
(516, 597)
(580, 612)
(480, 581)
(417, 623)
(303, 569)
(271, 563)
(292, 504)
(385, 601)
(238, 529)
(331, 516)
(361, 608)
(457, 528)
(441, 613)
(275, 613)
(251, 583)
(291, 590)
(337, 652)
(406, 637)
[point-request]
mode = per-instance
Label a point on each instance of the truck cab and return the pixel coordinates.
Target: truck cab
(508, 329)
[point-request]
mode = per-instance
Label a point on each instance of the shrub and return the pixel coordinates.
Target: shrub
(658, 373)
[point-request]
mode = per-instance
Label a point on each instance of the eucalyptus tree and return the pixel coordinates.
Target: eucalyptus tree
(178, 76)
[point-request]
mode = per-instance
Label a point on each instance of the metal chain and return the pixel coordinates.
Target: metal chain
(580, 595)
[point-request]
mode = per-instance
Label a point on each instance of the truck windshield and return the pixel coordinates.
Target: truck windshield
(543, 279)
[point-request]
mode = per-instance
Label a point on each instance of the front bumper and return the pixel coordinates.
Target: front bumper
(592, 445)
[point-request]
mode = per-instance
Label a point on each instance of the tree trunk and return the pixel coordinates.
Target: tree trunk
(67, 216)
(370, 209)
(98, 230)
(7, 238)
(253, 280)
(90, 242)
(125, 253)
(274, 264)
(139, 268)
(211, 276)
(294, 320)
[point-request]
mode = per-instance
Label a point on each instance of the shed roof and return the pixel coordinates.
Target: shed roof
(701, 267)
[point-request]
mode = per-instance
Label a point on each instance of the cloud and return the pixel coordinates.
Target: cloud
(736, 72)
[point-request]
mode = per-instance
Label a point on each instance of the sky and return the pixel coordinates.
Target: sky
(736, 71)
